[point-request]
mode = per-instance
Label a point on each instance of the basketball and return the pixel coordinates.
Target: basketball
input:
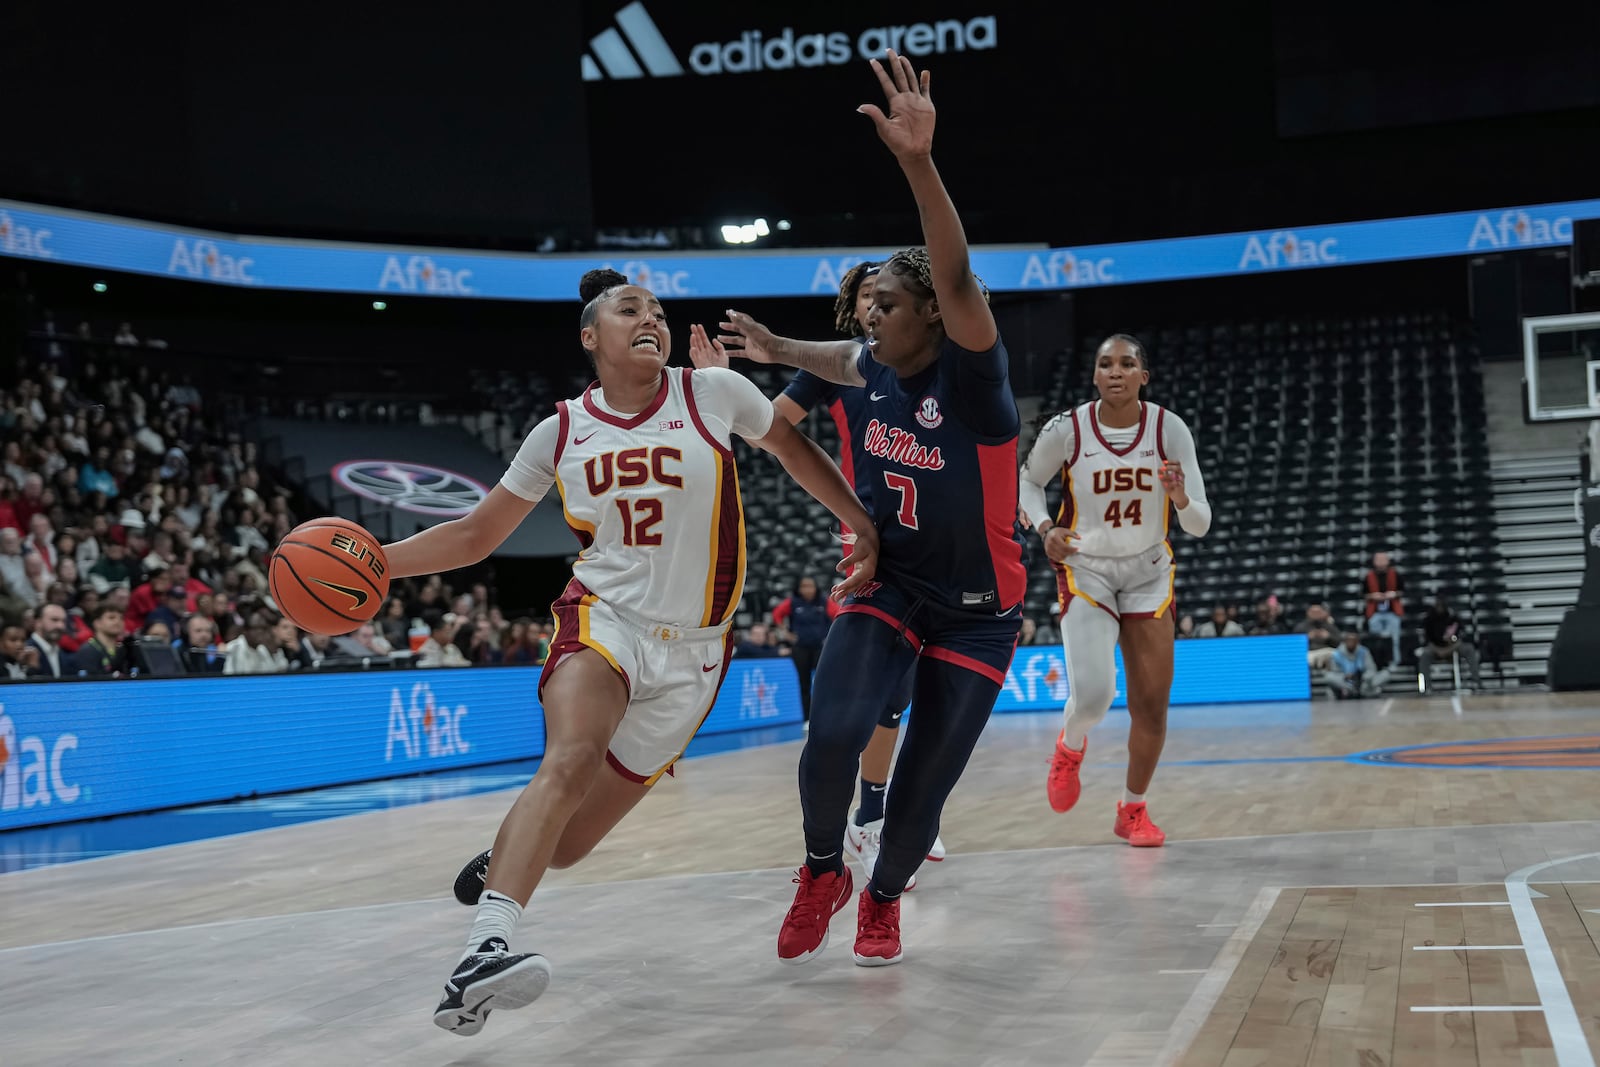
(329, 576)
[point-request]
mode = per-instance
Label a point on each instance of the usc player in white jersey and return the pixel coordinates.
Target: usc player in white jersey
(1124, 465)
(643, 464)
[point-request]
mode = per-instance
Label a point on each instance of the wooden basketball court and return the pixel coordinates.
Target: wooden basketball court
(1387, 882)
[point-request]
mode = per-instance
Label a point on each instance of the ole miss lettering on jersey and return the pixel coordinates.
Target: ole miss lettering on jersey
(939, 450)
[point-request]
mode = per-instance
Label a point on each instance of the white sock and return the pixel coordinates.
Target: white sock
(497, 917)
(1075, 737)
(1130, 797)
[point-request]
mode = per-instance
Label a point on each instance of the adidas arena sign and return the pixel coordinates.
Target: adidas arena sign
(636, 48)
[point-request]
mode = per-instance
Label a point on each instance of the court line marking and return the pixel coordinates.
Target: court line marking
(1464, 904)
(1192, 1016)
(1567, 1038)
(1466, 948)
(1387, 704)
(1193, 970)
(1478, 1007)
(1455, 704)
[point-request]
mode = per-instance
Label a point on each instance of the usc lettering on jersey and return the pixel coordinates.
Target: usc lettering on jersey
(654, 500)
(1111, 496)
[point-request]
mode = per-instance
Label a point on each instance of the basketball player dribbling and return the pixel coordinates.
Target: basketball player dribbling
(848, 405)
(1124, 465)
(648, 484)
(939, 449)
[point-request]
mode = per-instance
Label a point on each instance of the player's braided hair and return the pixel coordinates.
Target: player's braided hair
(593, 288)
(915, 266)
(844, 308)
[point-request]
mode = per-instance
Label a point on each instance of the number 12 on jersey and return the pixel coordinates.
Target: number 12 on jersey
(639, 520)
(907, 488)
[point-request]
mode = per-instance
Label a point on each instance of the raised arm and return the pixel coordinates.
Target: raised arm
(907, 130)
(833, 361)
(793, 404)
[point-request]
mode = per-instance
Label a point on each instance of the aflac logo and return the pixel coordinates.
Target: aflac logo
(1064, 268)
(825, 279)
(30, 768)
(1515, 228)
(1037, 676)
(1285, 249)
(18, 240)
(758, 699)
(203, 259)
(423, 729)
(420, 274)
(659, 282)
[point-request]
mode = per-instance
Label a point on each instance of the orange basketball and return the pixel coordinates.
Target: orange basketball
(329, 576)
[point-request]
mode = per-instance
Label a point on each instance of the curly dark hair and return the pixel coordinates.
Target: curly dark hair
(915, 266)
(844, 308)
(593, 287)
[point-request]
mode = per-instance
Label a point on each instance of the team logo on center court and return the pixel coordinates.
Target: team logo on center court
(928, 413)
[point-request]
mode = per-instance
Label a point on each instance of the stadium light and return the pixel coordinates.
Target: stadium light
(379, 305)
(99, 287)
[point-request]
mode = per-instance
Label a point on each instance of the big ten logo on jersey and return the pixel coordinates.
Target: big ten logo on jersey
(31, 772)
(1124, 480)
(363, 553)
(670, 424)
(423, 728)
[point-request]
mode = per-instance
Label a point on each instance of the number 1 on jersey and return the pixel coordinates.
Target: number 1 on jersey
(907, 488)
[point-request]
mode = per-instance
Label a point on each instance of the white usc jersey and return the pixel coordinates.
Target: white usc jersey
(653, 497)
(1111, 493)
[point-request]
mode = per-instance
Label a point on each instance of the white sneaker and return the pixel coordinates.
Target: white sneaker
(864, 843)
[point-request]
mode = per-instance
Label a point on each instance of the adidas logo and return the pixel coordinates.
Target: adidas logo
(613, 54)
(636, 48)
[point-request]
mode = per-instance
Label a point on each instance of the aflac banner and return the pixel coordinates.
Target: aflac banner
(1229, 670)
(85, 750)
(32, 232)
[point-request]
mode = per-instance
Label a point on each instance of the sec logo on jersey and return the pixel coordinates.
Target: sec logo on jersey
(928, 413)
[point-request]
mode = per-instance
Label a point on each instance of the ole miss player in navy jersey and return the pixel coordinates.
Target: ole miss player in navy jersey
(847, 404)
(939, 448)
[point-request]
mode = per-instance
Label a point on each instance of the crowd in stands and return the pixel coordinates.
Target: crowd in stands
(132, 514)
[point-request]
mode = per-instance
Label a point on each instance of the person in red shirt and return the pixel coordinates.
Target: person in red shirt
(144, 599)
(1384, 592)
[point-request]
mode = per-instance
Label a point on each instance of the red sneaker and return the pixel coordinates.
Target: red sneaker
(1063, 785)
(1133, 823)
(805, 928)
(877, 932)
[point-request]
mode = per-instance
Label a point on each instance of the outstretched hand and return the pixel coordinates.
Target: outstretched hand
(752, 340)
(703, 351)
(860, 565)
(907, 129)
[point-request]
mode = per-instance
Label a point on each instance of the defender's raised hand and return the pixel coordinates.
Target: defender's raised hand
(703, 351)
(908, 127)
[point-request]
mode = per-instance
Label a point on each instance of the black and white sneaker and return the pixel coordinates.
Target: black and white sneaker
(490, 978)
(469, 883)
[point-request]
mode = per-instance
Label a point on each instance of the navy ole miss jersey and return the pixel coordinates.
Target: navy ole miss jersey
(847, 405)
(938, 452)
